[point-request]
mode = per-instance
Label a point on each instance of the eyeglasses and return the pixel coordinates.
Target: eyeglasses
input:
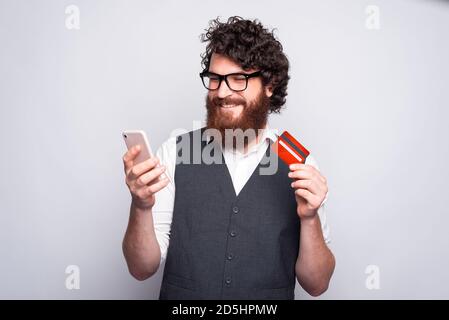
(235, 81)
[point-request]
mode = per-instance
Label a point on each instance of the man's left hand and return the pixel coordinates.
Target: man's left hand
(310, 189)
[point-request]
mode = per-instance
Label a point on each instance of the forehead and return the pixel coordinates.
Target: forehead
(222, 64)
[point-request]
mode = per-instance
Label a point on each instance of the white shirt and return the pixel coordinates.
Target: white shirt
(240, 167)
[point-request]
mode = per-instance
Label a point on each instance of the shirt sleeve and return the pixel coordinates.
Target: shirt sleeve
(163, 207)
(322, 210)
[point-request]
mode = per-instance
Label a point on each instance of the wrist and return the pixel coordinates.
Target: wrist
(136, 208)
(310, 220)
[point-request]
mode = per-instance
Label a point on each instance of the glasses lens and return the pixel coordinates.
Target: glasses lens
(211, 81)
(237, 82)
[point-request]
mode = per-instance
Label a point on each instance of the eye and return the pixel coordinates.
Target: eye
(213, 77)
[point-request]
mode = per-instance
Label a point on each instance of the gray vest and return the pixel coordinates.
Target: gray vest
(224, 246)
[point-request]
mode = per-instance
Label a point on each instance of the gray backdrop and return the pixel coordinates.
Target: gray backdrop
(368, 98)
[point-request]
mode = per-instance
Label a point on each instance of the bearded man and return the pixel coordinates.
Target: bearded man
(224, 229)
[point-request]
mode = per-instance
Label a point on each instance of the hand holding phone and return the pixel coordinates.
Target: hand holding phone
(144, 175)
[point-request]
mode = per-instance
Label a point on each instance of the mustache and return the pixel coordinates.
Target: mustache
(218, 102)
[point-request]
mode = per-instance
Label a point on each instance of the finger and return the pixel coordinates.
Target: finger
(318, 186)
(129, 157)
(301, 174)
(155, 187)
(151, 175)
(142, 167)
(308, 185)
(308, 196)
(300, 166)
(307, 167)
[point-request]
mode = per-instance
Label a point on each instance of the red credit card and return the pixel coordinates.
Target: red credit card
(289, 149)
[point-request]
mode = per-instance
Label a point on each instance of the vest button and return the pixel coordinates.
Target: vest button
(235, 209)
(230, 256)
(228, 281)
(233, 233)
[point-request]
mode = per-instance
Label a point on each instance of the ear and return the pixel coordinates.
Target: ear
(269, 90)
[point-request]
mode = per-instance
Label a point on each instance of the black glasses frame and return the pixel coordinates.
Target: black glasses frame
(225, 78)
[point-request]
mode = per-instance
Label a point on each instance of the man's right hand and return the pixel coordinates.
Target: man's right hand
(143, 179)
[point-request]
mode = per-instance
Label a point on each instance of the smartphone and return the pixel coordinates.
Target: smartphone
(135, 137)
(138, 137)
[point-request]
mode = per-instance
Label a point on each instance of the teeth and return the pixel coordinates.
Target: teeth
(228, 105)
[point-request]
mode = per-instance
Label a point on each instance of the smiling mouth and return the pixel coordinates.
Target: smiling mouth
(229, 106)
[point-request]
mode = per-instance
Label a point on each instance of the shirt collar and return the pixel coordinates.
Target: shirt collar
(271, 134)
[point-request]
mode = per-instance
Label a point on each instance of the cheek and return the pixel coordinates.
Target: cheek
(248, 97)
(253, 92)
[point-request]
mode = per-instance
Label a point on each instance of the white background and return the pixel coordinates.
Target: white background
(371, 105)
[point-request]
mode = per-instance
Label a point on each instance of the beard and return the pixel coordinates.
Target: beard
(253, 117)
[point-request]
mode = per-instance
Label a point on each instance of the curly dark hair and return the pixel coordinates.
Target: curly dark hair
(252, 46)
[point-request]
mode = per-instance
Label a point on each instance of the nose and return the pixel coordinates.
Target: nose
(224, 90)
